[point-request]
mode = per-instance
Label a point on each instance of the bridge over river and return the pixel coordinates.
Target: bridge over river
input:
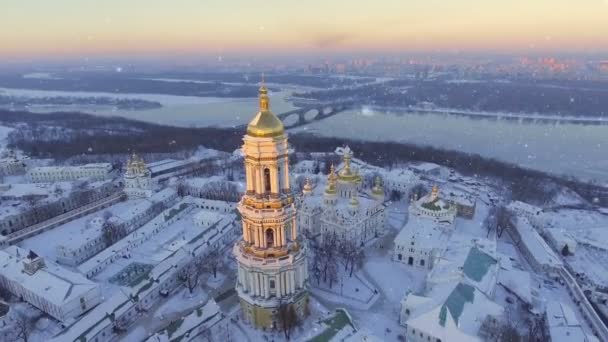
(309, 112)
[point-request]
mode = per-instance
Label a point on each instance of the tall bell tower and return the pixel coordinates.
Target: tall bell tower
(272, 269)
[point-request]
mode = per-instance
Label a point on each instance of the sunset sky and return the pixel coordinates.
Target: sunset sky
(127, 27)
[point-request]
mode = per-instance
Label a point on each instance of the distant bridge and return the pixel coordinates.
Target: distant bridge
(310, 112)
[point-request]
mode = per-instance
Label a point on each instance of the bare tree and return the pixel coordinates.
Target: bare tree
(211, 262)
(491, 221)
(504, 219)
(189, 276)
(221, 190)
(181, 188)
(288, 319)
(22, 327)
(113, 231)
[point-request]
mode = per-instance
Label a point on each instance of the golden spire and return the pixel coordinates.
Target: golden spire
(332, 174)
(265, 123)
(264, 100)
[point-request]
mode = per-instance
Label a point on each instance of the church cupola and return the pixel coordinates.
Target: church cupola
(307, 190)
(378, 190)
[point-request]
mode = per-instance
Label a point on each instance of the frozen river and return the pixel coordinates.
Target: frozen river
(572, 149)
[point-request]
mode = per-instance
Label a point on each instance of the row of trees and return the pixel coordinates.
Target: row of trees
(217, 190)
(208, 263)
(329, 253)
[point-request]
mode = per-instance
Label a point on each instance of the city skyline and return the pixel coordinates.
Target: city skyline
(67, 28)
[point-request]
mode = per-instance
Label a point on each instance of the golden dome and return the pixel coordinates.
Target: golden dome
(347, 174)
(377, 189)
(265, 124)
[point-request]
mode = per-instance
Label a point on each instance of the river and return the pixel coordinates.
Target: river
(560, 148)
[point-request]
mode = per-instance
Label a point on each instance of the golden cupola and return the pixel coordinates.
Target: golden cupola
(377, 189)
(331, 181)
(307, 190)
(265, 124)
(347, 174)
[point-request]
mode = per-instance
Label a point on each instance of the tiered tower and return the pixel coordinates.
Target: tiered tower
(138, 179)
(272, 269)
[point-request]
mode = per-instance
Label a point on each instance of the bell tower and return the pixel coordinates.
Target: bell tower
(272, 269)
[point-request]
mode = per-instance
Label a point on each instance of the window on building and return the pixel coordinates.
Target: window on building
(269, 238)
(267, 180)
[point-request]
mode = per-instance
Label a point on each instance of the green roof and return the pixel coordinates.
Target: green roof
(461, 294)
(477, 264)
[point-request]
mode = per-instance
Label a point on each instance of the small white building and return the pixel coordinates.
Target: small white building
(420, 242)
(537, 252)
(432, 206)
(399, 180)
(49, 174)
(427, 169)
(54, 290)
(532, 213)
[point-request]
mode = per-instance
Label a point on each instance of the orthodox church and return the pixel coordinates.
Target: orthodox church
(138, 179)
(343, 207)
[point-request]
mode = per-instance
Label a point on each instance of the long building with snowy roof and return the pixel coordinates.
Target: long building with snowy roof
(51, 288)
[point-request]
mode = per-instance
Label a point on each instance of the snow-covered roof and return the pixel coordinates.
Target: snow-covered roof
(426, 234)
(169, 164)
(37, 189)
(519, 206)
(425, 167)
(518, 282)
(563, 324)
(199, 182)
(97, 319)
(541, 252)
(102, 166)
(53, 282)
(454, 313)
(207, 216)
(207, 315)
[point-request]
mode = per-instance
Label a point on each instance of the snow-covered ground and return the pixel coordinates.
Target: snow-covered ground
(4, 131)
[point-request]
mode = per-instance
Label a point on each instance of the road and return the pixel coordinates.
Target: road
(56, 221)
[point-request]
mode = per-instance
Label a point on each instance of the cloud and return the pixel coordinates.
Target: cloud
(331, 40)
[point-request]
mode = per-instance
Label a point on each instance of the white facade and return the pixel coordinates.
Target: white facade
(54, 290)
(420, 243)
(47, 174)
(537, 252)
(433, 207)
(343, 208)
(90, 241)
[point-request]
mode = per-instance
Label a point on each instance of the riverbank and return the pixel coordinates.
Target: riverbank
(64, 135)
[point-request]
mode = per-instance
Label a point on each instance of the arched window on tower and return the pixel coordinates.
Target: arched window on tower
(267, 180)
(269, 238)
